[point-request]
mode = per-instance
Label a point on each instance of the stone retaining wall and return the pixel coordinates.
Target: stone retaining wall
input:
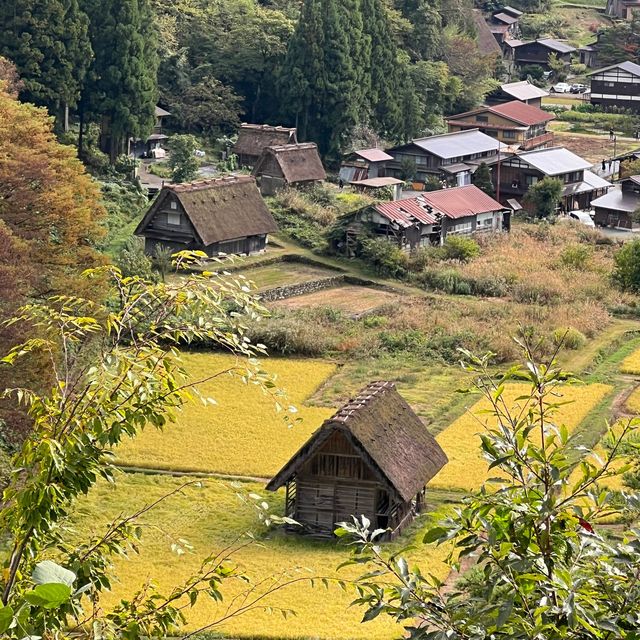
(301, 288)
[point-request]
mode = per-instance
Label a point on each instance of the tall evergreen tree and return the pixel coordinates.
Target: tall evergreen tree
(122, 83)
(48, 42)
(319, 80)
(385, 97)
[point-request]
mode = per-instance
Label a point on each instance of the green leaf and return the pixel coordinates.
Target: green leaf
(6, 618)
(433, 535)
(46, 572)
(48, 596)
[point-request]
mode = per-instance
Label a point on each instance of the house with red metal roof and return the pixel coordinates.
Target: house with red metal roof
(363, 164)
(519, 125)
(430, 217)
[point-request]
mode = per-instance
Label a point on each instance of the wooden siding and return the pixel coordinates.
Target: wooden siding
(536, 53)
(616, 87)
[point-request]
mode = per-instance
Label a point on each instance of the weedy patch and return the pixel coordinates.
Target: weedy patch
(243, 433)
(467, 469)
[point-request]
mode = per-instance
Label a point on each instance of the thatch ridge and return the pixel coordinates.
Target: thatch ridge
(253, 138)
(220, 209)
(393, 439)
(297, 162)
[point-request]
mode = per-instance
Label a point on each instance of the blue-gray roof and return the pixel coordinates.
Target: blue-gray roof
(629, 67)
(458, 144)
(554, 161)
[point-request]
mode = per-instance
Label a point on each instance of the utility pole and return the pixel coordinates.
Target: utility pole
(498, 176)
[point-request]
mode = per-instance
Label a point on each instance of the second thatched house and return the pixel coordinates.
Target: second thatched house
(374, 457)
(289, 165)
(254, 138)
(226, 215)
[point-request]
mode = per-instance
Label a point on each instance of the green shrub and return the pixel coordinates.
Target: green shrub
(387, 258)
(569, 338)
(576, 256)
(626, 272)
(459, 248)
(291, 335)
(447, 280)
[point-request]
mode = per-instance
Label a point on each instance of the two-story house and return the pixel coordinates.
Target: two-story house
(521, 171)
(617, 86)
(514, 123)
(452, 157)
(523, 91)
(537, 52)
(504, 24)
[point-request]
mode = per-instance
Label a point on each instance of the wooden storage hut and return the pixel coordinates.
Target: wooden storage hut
(289, 165)
(225, 215)
(374, 457)
(254, 138)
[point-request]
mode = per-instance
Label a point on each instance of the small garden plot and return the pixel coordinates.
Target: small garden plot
(243, 434)
(631, 364)
(211, 518)
(285, 273)
(467, 468)
(593, 148)
(349, 298)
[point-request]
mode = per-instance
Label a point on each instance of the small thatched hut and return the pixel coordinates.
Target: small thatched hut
(225, 215)
(374, 457)
(291, 164)
(254, 138)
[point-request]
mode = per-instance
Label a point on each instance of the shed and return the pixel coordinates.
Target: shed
(254, 138)
(287, 165)
(618, 207)
(374, 457)
(225, 215)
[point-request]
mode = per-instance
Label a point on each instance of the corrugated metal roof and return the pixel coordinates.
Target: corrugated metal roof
(523, 113)
(554, 161)
(458, 144)
(373, 155)
(462, 201)
(503, 17)
(617, 200)
(628, 66)
(160, 112)
(377, 182)
(556, 45)
(512, 11)
(523, 90)
(590, 182)
(406, 212)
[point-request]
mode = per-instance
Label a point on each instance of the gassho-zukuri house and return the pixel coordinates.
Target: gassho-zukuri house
(225, 215)
(374, 457)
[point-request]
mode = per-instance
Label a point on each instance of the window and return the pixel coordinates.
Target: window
(482, 118)
(421, 160)
(531, 180)
(173, 218)
(610, 85)
(174, 204)
(509, 134)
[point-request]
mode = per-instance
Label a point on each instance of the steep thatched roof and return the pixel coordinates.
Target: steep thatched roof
(390, 436)
(297, 162)
(219, 210)
(487, 44)
(253, 138)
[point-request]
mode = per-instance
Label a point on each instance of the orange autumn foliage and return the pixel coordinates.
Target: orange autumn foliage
(46, 199)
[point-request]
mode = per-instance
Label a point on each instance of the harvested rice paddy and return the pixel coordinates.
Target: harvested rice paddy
(631, 364)
(349, 298)
(243, 434)
(210, 518)
(467, 469)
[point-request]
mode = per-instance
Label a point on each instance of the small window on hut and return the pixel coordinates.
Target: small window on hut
(173, 218)
(174, 204)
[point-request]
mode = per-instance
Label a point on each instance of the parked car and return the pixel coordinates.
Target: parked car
(561, 87)
(583, 217)
(578, 88)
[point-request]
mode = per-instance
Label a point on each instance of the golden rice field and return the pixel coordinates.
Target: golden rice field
(210, 518)
(631, 364)
(633, 401)
(243, 434)
(467, 469)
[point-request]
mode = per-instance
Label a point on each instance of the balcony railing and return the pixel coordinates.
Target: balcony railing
(538, 141)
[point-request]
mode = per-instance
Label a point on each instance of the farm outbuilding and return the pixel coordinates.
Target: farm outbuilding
(289, 165)
(225, 215)
(374, 457)
(254, 138)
